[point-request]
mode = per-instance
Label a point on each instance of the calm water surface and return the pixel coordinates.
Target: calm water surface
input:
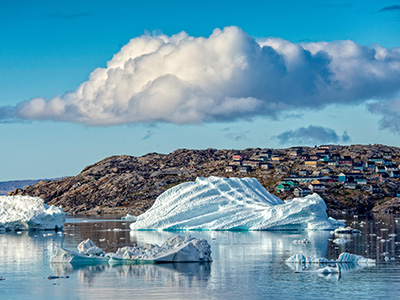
(247, 265)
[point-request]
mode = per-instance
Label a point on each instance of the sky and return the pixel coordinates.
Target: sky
(84, 80)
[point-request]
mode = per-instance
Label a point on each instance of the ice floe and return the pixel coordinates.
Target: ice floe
(216, 203)
(129, 217)
(340, 241)
(343, 258)
(346, 230)
(346, 262)
(174, 249)
(29, 213)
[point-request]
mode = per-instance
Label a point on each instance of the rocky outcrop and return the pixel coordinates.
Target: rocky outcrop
(126, 184)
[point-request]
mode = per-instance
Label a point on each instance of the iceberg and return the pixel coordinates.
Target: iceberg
(343, 258)
(216, 203)
(29, 213)
(174, 249)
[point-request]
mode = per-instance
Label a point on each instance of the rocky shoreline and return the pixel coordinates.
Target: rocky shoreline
(126, 184)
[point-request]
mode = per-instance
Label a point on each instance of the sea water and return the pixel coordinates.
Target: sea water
(246, 265)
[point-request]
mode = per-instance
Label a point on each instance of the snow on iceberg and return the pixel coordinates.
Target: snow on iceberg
(175, 249)
(29, 213)
(216, 203)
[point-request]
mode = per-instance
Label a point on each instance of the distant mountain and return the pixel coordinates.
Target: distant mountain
(9, 186)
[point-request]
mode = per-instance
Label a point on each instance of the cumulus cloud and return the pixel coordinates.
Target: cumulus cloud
(311, 135)
(224, 77)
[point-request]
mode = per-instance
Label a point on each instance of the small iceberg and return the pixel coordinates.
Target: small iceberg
(174, 249)
(343, 258)
(29, 213)
(129, 217)
(216, 203)
(346, 230)
(346, 262)
(340, 241)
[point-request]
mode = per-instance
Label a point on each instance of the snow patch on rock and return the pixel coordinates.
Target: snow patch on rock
(29, 213)
(216, 203)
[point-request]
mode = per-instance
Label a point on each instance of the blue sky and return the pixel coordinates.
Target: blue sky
(49, 48)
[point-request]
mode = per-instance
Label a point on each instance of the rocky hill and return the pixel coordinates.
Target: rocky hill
(127, 184)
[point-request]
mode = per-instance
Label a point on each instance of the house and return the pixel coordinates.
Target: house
(373, 189)
(266, 166)
(361, 180)
(251, 163)
(236, 163)
(304, 179)
(239, 157)
(358, 166)
(266, 152)
(376, 159)
(301, 191)
(304, 173)
(394, 174)
(387, 155)
(383, 176)
(346, 161)
(312, 163)
(335, 156)
(332, 163)
(283, 187)
(380, 169)
(230, 168)
(369, 165)
(326, 170)
(350, 185)
(391, 168)
(326, 147)
(291, 183)
(295, 152)
(317, 188)
(245, 169)
(263, 158)
(277, 157)
(344, 177)
(387, 162)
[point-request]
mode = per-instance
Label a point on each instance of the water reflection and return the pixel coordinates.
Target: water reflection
(179, 274)
(246, 265)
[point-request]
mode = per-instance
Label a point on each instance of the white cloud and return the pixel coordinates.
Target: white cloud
(227, 76)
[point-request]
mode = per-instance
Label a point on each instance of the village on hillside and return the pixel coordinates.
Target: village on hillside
(325, 169)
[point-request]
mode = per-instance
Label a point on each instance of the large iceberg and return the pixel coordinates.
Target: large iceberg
(174, 249)
(216, 203)
(29, 213)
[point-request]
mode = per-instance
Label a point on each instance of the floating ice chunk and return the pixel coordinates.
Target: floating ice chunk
(340, 241)
(343, 258)
(29, 213)
(129, 217)
(301, 242)
(355, 259)
(174, 249)
(346, 230)
(216, 203)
